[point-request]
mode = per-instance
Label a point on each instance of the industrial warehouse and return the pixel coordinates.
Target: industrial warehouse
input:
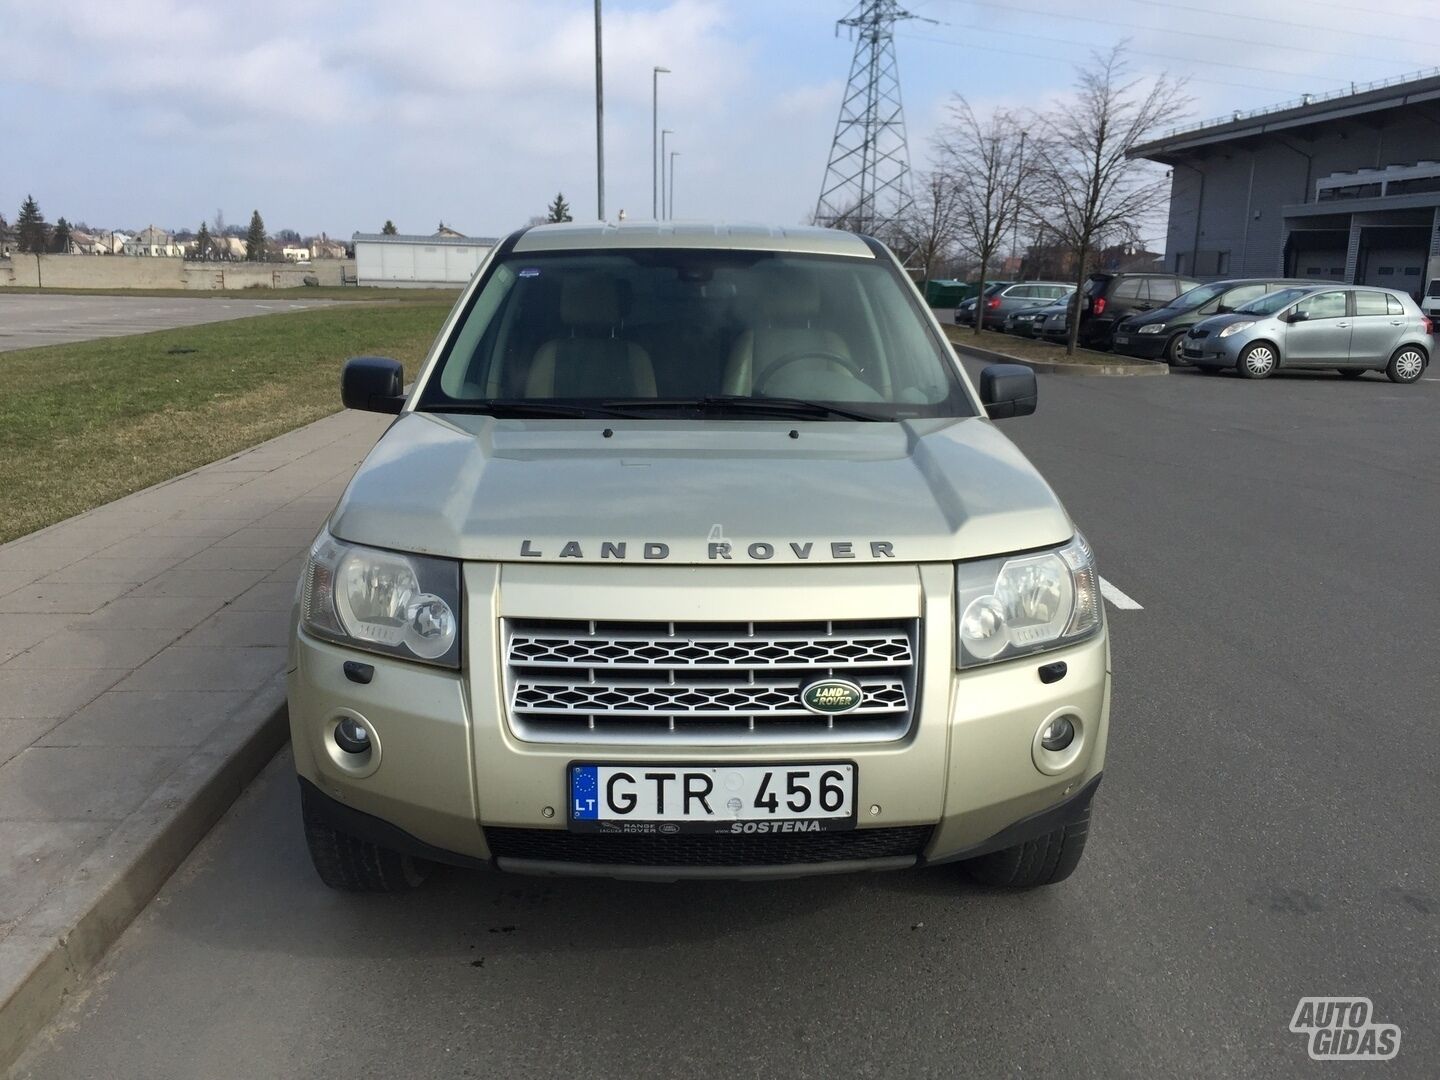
(1344, 187)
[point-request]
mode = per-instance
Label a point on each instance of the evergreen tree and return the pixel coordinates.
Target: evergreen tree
(255, 238)
(60, 241)
(31, 232)
(559, 210)
(202, 242)
(389, 228)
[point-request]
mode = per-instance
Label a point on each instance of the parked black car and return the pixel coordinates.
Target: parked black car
(1159, 334)
(1107, 298)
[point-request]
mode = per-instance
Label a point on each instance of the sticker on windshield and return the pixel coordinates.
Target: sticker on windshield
(530, 271)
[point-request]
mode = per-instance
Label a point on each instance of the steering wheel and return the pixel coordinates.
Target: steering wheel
(848, 363)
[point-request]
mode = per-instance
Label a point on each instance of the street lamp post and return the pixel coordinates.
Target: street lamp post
(673, 155)
(599, 121)
(655, 74)
(663, 133)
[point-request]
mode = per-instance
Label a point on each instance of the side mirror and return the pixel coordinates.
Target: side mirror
(373, 384)
(1224, 309)
(1007, 390)
(1297, 316)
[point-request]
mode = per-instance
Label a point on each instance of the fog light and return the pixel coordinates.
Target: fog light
(1057, 734)
(352, 736)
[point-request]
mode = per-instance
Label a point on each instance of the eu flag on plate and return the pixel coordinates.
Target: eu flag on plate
(584, 793)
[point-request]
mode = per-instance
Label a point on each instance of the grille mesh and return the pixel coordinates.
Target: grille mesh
(706, 683)
(685, 849)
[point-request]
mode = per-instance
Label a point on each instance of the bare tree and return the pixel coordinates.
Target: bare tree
(1088, 188)
(928, 227)
(984, 159)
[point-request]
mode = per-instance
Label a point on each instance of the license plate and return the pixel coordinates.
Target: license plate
(668, 799)
(1122, 339)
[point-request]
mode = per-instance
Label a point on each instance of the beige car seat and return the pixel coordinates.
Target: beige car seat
(592, 362)
(783, 324)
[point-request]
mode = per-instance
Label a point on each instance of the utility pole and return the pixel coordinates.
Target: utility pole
(663, 133)
(655, 74)
(1015, 242)
(599, 121)
(673, 155)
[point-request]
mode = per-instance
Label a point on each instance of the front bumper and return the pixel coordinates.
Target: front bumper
(1212, 351)
(1144, 346)
(447, 764)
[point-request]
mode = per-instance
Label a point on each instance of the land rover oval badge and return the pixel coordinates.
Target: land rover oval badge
(831, 696)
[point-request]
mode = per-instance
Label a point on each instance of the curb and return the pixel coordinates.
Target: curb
(55, 946)
(1118, 367)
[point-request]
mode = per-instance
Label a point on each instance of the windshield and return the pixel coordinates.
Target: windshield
(666, 332)
(1193, 298)
(1271, 302)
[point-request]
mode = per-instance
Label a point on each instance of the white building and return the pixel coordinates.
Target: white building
(154, 242)
(405, 260)
(295, 254)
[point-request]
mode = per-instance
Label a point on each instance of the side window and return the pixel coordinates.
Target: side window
(1393, 305)
(1163, 289)
(1371, 303)
(1128, 289)
(1325, 305)
(1242, 295)
(1054, 292)
(1020, 292)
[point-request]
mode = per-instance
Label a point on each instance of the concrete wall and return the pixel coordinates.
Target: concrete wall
(122, 272)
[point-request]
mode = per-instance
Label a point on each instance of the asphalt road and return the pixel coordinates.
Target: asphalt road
(1266, 830)
(30, 319)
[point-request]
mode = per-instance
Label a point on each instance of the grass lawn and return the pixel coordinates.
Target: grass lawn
(322, 292)
(1030, 348)
(85, 423)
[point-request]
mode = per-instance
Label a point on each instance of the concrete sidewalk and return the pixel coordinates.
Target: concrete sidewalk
(142, 652)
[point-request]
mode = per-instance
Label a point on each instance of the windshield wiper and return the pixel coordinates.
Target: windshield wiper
(735, 403)
(515, 409)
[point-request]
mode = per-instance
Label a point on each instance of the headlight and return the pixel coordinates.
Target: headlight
(1026, 603)
(1152, 328)
(401, 605)
(1236, 327)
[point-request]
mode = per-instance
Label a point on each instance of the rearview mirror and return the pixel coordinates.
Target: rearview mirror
(373, 384)
(1007, 390)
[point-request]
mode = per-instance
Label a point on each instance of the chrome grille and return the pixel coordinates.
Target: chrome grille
(706, 683)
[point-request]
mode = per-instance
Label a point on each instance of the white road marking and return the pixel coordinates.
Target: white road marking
(1118, 598)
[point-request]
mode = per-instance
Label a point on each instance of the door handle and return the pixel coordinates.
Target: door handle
(1342, 325)
(1397, 322)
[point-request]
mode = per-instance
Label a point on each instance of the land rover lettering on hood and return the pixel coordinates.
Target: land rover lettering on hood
(692, 551)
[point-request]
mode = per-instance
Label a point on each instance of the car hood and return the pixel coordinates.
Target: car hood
(474, 487)
(1159, 315)
(1216, 323)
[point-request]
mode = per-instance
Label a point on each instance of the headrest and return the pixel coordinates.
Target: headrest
(790, 296)
(590, 300)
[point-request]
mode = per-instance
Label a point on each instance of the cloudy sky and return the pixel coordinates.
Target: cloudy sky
(335, 116)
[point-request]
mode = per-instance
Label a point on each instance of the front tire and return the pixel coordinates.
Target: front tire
(350, 864)
(1406, 366)
(1257, 361)
(1172, 351)
(1045, 861)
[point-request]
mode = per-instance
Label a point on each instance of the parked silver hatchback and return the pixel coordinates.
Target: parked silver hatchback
(1349, 328)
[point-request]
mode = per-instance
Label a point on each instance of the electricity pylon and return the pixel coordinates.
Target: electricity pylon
(867, 179)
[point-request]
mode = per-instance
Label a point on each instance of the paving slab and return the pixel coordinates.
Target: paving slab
(31, 319)
(142, 650)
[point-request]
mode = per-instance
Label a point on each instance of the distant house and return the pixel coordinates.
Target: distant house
(402, 260)
(295, 254)
(154, 242)
(84, 243)
(322, 247)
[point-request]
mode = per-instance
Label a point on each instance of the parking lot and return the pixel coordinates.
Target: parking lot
(31, 319)
(1265, 831)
